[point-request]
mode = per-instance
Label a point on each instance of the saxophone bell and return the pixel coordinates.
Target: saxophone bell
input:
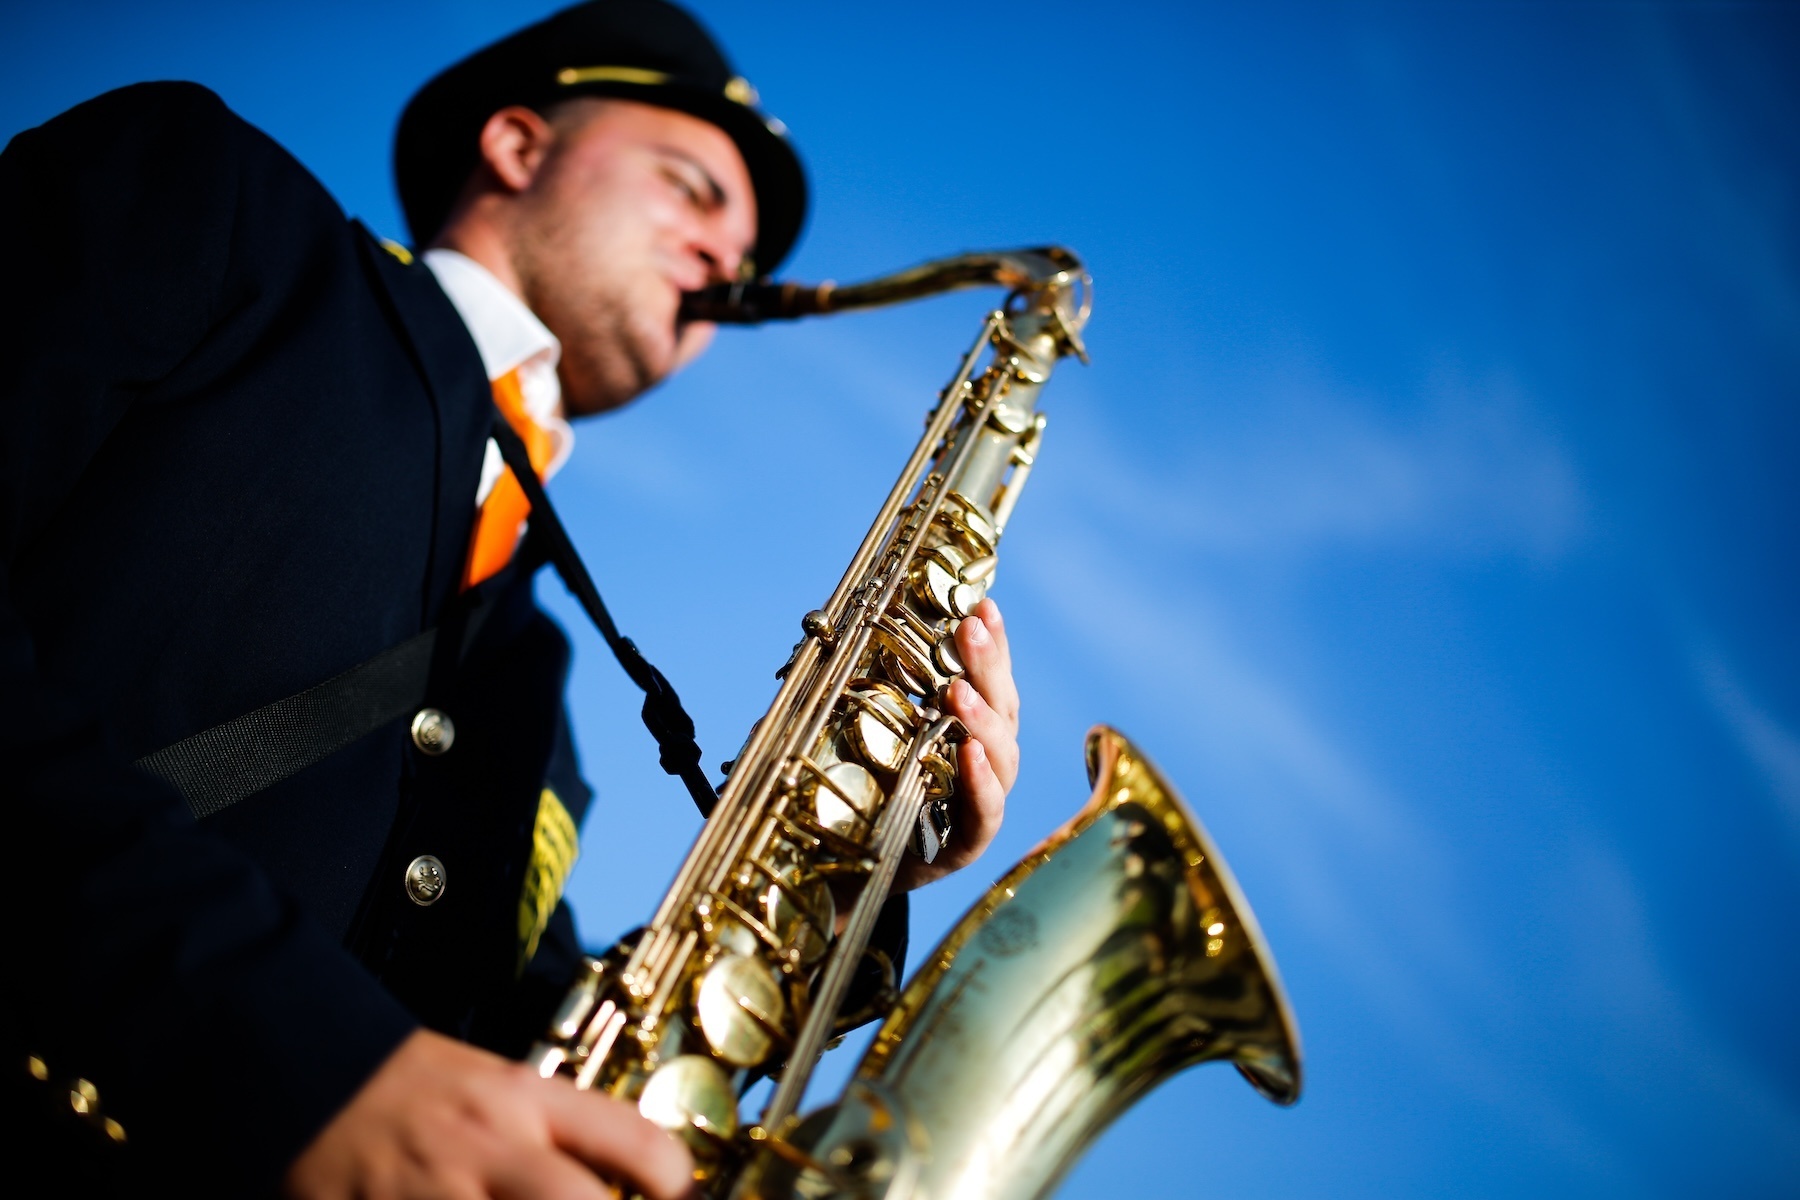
(1117, 953)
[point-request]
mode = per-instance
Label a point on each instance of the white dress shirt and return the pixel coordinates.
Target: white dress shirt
(509, 337)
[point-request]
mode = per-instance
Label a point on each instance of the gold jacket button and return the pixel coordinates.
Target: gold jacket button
(433, 732)
(84, 1098)
(425, 880)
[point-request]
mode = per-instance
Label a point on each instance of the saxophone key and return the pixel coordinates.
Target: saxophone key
(971, 524)
(941, 580)
(1010, 418)
(691, 1097)
(582, 996)
(933, 829)
(915, 677)
(907, 651)
(879, 724)
(734, 936)
(741, 1010)
(967, 598)
(940, 777)
(798, 909)
(845, 797)
(816, 624)
(944, 655)
(874, 740)
(973, 582)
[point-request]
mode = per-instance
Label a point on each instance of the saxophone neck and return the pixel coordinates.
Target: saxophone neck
(1049, 280)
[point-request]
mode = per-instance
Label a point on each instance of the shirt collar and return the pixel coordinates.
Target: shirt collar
(507, 333)
(510, 339)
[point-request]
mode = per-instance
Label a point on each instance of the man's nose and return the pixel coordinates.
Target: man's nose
(722, 266)
(722, 253)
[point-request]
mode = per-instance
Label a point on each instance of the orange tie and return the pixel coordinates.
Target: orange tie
(502, 516)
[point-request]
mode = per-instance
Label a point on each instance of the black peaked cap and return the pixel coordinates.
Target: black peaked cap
(644, 50)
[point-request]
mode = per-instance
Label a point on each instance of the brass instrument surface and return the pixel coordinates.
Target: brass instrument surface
(745, 964)
(1118, 952)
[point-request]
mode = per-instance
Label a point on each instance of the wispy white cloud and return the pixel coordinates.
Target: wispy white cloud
(1371, 885)
(1641, 1045)
(1772, 749)
(1468, 466)
(1400, 912)
(1380, 901)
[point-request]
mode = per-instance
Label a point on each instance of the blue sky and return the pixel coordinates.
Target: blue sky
(1428, 512)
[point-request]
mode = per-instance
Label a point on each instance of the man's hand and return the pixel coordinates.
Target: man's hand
(987, 703)
(443, 1119)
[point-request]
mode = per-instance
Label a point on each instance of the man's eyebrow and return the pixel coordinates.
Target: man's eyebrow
(717, 192)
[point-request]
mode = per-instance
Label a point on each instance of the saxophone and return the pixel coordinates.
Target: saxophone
(1118, 952)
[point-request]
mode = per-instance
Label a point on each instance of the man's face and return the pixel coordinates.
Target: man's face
(630, 206)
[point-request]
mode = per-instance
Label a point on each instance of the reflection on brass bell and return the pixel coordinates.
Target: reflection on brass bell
(433, 732)
(425, 880)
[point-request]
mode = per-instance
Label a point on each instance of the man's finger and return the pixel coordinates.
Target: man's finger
(989, 612)
(547, 1174)
(989, 668)
(993, 731)
(984, 800)
(608, 1135)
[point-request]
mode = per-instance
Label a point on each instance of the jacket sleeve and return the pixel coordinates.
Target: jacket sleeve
(219, 1027)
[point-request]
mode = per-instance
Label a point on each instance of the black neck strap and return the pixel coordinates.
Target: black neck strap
(664, 716)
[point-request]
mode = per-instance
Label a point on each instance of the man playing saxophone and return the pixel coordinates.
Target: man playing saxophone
(260, 933)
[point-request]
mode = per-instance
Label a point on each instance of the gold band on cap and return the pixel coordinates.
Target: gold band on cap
(570, 76)
(737, 89)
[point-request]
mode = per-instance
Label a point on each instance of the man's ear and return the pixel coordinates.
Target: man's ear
(514, 143)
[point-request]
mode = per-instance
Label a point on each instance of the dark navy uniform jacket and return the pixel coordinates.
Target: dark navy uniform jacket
(239, 450)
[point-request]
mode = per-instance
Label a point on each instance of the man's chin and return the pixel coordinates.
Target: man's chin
(691, 340)
(621, 378)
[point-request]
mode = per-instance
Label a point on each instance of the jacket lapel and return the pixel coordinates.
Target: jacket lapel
(445, 356)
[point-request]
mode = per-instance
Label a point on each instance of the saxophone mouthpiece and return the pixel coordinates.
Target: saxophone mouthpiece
(754, 303)
(1048, 277)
